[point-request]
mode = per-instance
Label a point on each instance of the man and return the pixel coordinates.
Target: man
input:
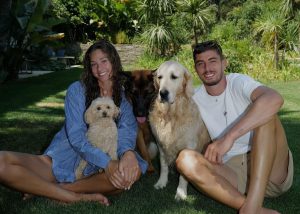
(249, 156)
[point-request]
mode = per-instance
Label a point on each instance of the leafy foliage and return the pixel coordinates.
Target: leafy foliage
(199, 15)
(160, 33)
(27, 25)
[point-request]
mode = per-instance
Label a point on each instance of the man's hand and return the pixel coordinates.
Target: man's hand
(216, 150)
(129, 168)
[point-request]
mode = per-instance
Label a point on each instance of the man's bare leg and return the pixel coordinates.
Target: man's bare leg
(33, 174)
(269, 161)
(217, 181)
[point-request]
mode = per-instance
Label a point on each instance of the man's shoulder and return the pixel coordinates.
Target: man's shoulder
(238, 76)
(199, 91)
(237, 79)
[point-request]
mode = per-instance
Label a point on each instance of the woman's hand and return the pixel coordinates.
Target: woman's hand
(129, 169)
(114, 176)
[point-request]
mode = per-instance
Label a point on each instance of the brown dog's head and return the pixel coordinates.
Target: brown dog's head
(140, 91)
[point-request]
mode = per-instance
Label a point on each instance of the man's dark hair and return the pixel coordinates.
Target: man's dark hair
(207, 45)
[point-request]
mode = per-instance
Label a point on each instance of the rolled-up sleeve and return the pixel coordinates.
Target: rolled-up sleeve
(76, 128)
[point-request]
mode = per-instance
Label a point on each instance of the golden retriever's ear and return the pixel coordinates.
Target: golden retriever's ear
(188, 84)
(88, 116)
(116, 112)
(155, 81)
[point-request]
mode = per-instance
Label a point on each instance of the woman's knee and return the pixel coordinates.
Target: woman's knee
(4, 161)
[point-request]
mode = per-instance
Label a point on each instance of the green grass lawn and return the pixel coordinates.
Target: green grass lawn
(31, 112)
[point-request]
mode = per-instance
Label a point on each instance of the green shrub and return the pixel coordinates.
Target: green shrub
(121, 38)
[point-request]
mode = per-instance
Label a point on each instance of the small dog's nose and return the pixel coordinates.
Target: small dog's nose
(164, 95)
(104, 114)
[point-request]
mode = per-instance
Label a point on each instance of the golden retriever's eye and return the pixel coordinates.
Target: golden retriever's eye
(98, 108)
(108, 107)
(159, 77)
(173, 77)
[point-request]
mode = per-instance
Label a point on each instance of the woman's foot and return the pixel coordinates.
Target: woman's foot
(27, 196)
(97, 197)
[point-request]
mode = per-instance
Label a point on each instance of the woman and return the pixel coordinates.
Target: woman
(53, 174)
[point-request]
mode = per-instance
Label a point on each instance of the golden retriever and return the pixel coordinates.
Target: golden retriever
(175, 120)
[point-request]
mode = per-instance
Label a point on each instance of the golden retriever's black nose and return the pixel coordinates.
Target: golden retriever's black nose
(104, 114)
(164, 95)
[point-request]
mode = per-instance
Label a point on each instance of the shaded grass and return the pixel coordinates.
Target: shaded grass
(31, 113)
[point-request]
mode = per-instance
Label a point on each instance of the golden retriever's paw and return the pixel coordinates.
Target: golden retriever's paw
(180, 195)
(161, 183)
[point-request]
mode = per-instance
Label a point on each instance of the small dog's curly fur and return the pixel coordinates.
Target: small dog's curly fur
(102, 132)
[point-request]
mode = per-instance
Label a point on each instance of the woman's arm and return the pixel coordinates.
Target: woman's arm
(127, 128)
(76, 127)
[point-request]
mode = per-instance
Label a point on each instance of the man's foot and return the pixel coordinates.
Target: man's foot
(262, 211)
(268, 211)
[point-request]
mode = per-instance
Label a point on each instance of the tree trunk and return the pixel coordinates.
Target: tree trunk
(276, 54)
(195, 35)
(13, 64)
(218, 3)
(5, 7)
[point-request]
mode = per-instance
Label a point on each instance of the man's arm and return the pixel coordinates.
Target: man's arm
(266, 103)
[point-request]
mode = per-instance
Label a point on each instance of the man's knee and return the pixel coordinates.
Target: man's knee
(267, 130)
(270, 125)
(187, 161)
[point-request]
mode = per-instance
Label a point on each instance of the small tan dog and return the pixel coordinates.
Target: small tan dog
(102, 132)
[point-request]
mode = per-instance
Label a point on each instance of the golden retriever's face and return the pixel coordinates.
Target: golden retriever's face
(101, 107)
(171, 79)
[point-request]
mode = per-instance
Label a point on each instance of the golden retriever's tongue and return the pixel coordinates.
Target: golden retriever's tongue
(141, 119)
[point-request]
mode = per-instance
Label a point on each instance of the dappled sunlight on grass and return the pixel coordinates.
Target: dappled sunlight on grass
(32, 113)
(45, 105)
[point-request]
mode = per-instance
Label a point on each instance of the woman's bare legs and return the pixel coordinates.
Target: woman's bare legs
(33, 174)
(96, 183)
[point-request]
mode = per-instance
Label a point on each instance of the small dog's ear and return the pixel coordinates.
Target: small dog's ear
(188, 84)
(88, 116)
(116, 112)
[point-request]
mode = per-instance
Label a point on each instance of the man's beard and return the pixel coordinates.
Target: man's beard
(213, 82)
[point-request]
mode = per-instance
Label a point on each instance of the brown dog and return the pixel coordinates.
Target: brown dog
(141, 92)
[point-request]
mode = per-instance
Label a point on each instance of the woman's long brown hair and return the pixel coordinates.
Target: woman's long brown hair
(90, 82)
